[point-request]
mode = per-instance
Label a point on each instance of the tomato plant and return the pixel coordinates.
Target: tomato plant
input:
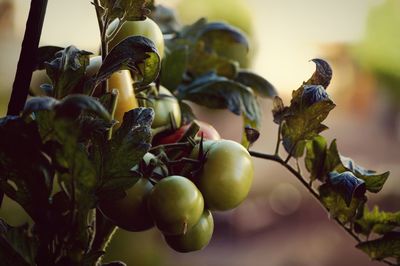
(66, 139)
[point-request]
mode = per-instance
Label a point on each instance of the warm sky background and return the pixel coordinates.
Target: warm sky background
(289, 32)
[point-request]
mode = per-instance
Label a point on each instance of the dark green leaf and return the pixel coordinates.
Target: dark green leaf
(322, 75)
(203, 60)
(332, 160)
(17, 247)
(166, 19)
(337, 206)
(186, 112)
(225, 40)
(35, 104)
(67, 70)
(136, 53)
(129, 143)
(387, 246)
(373, 181)
(304, 125)
(130, 9)
(347, 185)
(174, 66)
(260, 86)
(376, 221)
(218, 92)
(45, 54)
(279, 110)
(316, 150)
(120, 183)
(26, 174)
(72, 105)
(92, 258)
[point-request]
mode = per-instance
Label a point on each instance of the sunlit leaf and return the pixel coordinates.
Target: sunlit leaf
(376, 221)
(384, 247)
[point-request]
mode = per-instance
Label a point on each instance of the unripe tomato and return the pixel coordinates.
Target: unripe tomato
(176, 205)
(147, 28)
(206, 130)
(227, 174)
(122, 81)
(39, 77)
(130, 213)
(164, 105)
(196, 238)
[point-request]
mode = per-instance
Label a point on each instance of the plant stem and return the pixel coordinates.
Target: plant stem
(278, 142)
(27, 58)
(302, 180)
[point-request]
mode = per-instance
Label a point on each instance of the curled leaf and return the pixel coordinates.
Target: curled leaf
(322, 75)
(347, 185)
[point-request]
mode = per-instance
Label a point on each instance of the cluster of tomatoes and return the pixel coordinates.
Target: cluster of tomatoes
(211, 175)
(177, 202)
(180, 203)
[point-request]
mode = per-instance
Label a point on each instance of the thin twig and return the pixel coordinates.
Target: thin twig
(305, 184)
(278, 142)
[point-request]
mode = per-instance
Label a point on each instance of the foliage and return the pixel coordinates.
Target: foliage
(63, 154)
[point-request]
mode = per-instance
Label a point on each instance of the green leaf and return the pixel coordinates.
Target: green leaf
(35, 104)
(73, 105)
(279, 110)
(130, 9)
(373, 181)
(174, 66)
(26, 174)
(129, 143)
(260, 86)
(322, 75)
(219, 92)
(304, 125)
(347, 185)
(17, 246)
(67, 70)
(376, 221)
(186, 113)
(225, 40)
(336, 205)
(387, 246)
(45, 54)
(203, 60)
(165, 18)
(136, 53)
(316, 151)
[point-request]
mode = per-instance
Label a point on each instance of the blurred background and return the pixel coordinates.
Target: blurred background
(279, 224)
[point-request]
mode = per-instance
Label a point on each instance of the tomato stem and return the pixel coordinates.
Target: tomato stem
(27, 58)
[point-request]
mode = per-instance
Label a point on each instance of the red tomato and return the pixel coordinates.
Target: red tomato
(207, 130)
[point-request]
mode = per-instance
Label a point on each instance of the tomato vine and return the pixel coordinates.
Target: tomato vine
(71, 164)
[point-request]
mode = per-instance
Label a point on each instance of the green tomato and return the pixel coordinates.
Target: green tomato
(131, 213)
(164, 106)
(196, 238)
(176, 205)
(147, 28)
(227, 174)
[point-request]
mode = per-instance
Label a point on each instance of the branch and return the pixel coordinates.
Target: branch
(278, 159)
(27, 58)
